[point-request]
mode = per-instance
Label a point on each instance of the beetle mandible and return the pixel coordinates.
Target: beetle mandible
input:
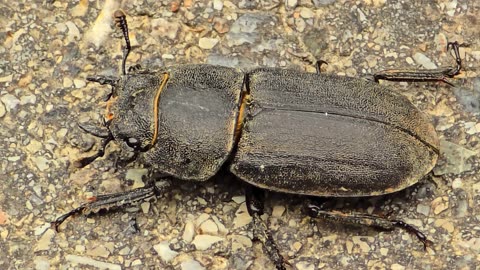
(276, 129)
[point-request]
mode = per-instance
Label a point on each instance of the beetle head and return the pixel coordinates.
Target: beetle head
(129, 115)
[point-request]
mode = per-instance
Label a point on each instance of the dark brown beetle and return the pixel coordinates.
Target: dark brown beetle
(280, 130)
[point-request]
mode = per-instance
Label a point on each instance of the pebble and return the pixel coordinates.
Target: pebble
(278, 210)
(217, 4)
(73, 32)
(204, 241)
(423, 209)
(6, 79)
(319, 3)
(397, 266)
(136, 175)
(440, 204)
(41, 263)
(191, 265)
(44, 242)
(91, 262)
(305, 266)
(41, 163)
(10, 101)
(3, 110)
(291, 4)
(306, 13)
(240, 242)
(424, 61)
(207, 43)
(239, 199)
(456, 156)
(364, 246)
(145, 206)
(67, 82)
(28, 99)
(188, 232)
(79, 83)
(242, 217)
(98, 251)
(208, 227)
(124, 251)
(38, 230)
(163, 250)
(80, 9)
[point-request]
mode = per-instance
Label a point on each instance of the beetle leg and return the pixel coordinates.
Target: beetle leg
(318, 65)
(87, 160)
(255, 201)
(439, 75)
(368, 220)
(114, 200)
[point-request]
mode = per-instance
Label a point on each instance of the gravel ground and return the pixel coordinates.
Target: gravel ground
(48, 48)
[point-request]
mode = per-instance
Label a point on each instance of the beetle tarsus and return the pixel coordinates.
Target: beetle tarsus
(424, 75)
(254, 200)
(121, 22)
(412, 230)
(316, 211)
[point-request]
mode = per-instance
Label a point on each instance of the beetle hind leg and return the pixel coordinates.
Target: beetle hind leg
(382, 223)
(254, 200)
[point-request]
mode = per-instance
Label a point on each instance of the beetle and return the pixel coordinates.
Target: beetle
(276, 129)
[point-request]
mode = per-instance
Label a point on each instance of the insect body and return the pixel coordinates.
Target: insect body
(279, 130)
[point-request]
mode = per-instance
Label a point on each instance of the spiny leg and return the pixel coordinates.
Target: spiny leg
(115, 200)
(255, 203)
(317, 211)
(424, 75)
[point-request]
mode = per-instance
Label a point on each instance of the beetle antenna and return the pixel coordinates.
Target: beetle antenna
(121, 22)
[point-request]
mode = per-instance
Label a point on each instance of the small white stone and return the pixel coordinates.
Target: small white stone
(3, 110)
(191, 265)
(306, 13)
(238, 199)
(204, 242)
(292, 3)
(163, 250)
(207, 43)
(67, 82)
(424, 61)
(188, 232)
(217, 4)
(209, 227)
(278, 210)
(79, 83)
(44, 241)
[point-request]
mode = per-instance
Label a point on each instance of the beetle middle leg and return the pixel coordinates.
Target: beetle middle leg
(255, 202)
(317, 211)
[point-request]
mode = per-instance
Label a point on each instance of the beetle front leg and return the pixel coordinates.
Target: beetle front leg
(317, 211)
(255, 203)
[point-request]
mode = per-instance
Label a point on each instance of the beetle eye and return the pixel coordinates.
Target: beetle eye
(133, 143)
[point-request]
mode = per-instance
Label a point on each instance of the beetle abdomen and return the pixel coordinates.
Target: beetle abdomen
(331, 136)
